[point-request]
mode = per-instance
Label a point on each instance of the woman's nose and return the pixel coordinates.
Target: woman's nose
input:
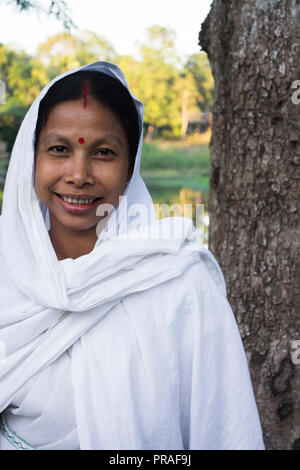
(80, 170)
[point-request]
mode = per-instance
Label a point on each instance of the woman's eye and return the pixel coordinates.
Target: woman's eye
(58, 148)
(104, 152)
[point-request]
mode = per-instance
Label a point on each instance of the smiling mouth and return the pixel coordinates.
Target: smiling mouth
(78, 202)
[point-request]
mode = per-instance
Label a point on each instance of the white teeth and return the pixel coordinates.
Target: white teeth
(71, 200)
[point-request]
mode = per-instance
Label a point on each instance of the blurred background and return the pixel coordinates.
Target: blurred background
(156, 46)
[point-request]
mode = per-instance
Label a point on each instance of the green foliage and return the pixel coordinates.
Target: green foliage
(175, 158)
(11, 117)
(63, 51)
(3, 166)
(170, 93)
(167, 170)
(198, 65)
(24, 77)
(158, 74)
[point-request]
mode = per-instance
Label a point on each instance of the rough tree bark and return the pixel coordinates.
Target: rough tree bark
(254, 48)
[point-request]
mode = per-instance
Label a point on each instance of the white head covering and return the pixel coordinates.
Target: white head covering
(36, 289)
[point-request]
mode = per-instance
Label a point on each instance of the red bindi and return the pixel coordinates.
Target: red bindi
(81, 140)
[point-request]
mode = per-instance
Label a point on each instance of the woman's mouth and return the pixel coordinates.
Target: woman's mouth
(76, 206)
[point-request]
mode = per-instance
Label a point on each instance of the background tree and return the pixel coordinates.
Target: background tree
(157, 74)
(199, 67)
(57, 8)
(172, 93)
(186, 91)
(24, 77)
(64, 51)
(253, 48)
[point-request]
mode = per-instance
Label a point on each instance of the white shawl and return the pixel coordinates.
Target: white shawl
(47, 306)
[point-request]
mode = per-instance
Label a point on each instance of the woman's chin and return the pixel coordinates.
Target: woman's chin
(69, 222)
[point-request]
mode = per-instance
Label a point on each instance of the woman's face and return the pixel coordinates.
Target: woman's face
(81, 152)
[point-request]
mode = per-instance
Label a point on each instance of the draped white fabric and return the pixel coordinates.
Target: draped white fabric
(138, 333)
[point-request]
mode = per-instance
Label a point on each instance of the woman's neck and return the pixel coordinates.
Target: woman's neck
(71, 243)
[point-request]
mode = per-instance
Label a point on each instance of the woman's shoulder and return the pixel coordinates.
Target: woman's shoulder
(191, 293)
(200, 297)
(206, 272)
(201, 280)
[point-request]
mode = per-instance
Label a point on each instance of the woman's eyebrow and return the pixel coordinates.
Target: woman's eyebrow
(106, 138)
(55, 136)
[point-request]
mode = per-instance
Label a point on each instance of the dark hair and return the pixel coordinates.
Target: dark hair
(102, 87)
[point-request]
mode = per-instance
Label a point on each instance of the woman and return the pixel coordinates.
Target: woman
(117, 329)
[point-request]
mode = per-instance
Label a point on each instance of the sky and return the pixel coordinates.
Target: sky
(121, 22)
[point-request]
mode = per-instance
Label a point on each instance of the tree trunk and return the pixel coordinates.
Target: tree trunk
(254, 47)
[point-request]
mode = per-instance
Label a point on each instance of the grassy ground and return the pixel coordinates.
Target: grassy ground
(167, 167)
(178, 172)
(176, 158)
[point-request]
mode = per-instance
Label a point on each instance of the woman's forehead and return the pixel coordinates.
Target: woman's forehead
(91, 114)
